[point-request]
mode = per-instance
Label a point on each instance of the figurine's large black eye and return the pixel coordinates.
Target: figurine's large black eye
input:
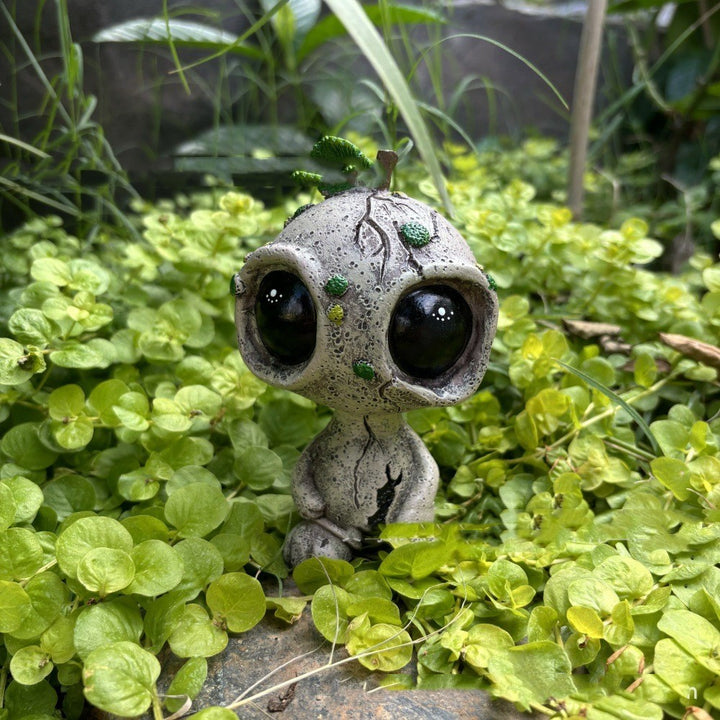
(429, 330)
(285, 316)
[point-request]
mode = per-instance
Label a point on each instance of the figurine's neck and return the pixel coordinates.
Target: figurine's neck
(380, 424)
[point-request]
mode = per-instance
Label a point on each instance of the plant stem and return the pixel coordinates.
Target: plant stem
(3, 680)
(157, 707)
(608, 413)
(583, 100)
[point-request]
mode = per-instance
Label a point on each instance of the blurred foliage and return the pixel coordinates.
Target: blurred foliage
(144, 472)
(660, 132)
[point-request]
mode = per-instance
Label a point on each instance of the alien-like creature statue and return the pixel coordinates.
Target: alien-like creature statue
(373, 304)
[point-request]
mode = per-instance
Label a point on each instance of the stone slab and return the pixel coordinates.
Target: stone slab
(273, 653)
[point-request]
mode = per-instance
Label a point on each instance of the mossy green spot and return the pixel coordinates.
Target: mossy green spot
(336, 150)
(303, 178)
(364, 370)
(336, 314)
(491, 282)
(329, 189)
(298, 212)
(337, 285)
(415, 234)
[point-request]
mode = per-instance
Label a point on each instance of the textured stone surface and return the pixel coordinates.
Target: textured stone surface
(345, 692)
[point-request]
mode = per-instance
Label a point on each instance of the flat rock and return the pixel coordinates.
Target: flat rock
(266, 663)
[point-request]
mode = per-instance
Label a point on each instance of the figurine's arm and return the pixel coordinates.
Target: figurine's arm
(417, 498)
(310, 503)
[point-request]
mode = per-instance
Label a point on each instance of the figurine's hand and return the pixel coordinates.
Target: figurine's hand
(310, 503)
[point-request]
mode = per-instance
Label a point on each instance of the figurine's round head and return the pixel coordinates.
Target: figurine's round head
(367, 302)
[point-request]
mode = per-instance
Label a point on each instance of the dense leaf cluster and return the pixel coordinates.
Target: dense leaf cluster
(144, 472)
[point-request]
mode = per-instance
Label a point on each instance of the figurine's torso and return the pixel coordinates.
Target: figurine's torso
(368, 470)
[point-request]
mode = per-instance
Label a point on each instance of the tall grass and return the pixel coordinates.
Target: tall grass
(52, 170)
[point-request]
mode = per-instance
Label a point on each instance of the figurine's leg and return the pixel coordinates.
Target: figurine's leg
(310, 539)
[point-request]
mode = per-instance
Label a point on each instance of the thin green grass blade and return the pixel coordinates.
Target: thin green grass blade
(19, 190)
(173, 49)
(330, 27)
(23, 145)
(443, 117)
(237, 44)
(503, 47)
(366, 37)
(615, 398)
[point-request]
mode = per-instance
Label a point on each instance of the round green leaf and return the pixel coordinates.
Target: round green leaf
(482, 641)
(380, 647)
(531, 673)
(67, 401)
(329, 612)
(120, 678)
(237, 600)
(30, 664)
(187, 683)
(57, 640)
(627, 577)
(674, 474)
(24, 701)
(235, 550)
(258, 467)
(14, 369)
(137, 485)
(85, 535)
(132, 410)
(48, 595)
(69, 494)
(21, 555)
(188, 475)
(49, 269)
(202, 563)
(105, 623)
(195, 399)
(30, 326)
(26, 496)
(73, 434)
(196, 509)
(215, 713)
(313, 573)
(8, 507)
(95, 353)
(105, 570)
(145, 527)
(15, 606)
(103, 397)
(586, 621)
(22, 444)
(196, 635)
(88, 276)
(593, 593)
(158, 568)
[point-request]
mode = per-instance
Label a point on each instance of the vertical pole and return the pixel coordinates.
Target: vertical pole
(583, 100)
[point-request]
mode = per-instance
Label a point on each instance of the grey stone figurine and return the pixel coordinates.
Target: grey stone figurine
(370, 303)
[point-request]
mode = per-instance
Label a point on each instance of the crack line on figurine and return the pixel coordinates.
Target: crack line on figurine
(356, 475)
(385, 497)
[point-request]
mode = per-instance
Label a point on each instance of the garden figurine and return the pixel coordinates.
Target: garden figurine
(371, 303)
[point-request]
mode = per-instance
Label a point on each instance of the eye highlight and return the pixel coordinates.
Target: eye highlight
(285, 316)
(429, 330)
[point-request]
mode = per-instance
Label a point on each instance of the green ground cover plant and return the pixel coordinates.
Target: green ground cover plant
(144, 472)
